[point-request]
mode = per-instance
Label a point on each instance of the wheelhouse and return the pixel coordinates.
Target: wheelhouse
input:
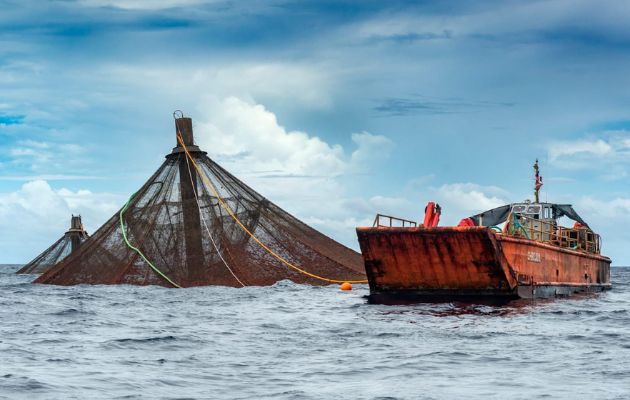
(539, 222)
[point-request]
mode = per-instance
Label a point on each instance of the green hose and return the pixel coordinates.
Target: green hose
(524, 230)
(516, 224)
(132, 247)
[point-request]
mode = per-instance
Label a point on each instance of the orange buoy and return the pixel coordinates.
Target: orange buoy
(346, 286)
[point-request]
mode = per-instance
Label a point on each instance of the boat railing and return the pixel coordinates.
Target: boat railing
(582, 239)
(382, 220)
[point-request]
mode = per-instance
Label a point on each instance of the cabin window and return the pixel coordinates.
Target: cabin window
(519, 209)
(533, 210)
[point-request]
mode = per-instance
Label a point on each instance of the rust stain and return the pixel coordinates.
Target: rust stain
(471, 260)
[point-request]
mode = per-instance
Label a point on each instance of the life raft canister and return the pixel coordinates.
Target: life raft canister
(432, 215)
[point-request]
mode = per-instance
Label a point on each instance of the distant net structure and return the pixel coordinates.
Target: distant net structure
(193, 223)
(59, 250)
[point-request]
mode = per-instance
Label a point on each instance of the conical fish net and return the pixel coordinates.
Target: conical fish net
(59, 250)
(179, 233)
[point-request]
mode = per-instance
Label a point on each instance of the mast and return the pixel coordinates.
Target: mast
(538, 182)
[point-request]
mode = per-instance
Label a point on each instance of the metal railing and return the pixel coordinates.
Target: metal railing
(582, 239)
(393, 221)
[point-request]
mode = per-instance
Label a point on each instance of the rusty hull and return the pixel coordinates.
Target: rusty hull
(459, 262)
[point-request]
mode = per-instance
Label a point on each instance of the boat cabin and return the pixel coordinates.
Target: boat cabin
(539, 221)
(534, 211)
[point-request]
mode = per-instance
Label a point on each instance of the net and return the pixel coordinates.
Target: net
(179, 233)
(68, 243)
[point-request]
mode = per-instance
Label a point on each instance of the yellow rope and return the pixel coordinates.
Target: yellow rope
(205, 224)
(209, 184)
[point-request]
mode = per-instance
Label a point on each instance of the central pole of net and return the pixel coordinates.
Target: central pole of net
(76, 232)
(192, 225)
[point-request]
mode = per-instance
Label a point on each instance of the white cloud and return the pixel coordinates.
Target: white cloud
(300, 172)
(370, 150)
(46, 156)
(616, 209)
(458, 200)
(233, 128)
(339, 216)
(292, 83)
(26, 152)
(470, 197)
(501, 21)
(34, 144)
(48, 177)
(306, 83)
(560, 149)
(141, 4)
(609, 152)
(307, 176)
(36, 215)
(610, 218)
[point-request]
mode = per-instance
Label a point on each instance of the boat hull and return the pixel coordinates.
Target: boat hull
(474, 262)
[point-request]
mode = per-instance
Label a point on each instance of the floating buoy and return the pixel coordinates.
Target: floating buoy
(346, 286)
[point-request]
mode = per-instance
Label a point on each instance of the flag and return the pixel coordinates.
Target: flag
(539, 180)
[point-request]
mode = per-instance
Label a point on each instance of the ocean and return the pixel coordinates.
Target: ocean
(291, 341)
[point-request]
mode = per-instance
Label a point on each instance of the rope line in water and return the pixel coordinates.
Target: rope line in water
(206, 226)
(137, 250)
(206, 181)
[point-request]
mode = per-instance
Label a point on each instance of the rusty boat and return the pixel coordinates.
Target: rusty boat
(514, 251)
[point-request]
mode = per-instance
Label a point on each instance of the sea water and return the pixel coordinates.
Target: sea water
(293, 341)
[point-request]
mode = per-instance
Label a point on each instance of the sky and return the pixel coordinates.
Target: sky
(333, 110)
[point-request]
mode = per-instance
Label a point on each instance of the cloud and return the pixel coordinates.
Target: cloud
(142, 4)
(49, 177)
(300, 172)
(34, 216)
(403, 106)
(308, 176)
(339, 216)
(251, 133)
(616, 209)
(610, 218)
(458, 200)
(596, 153)
(371, 150)
(411, 37)
(309, 84)
(463, 199)
(558, 22)
(250, 137)
(597, 148)
(40, 156)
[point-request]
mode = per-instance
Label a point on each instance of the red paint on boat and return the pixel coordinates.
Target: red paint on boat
(474, 261)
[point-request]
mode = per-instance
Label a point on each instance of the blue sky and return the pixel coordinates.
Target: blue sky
(334, 110)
